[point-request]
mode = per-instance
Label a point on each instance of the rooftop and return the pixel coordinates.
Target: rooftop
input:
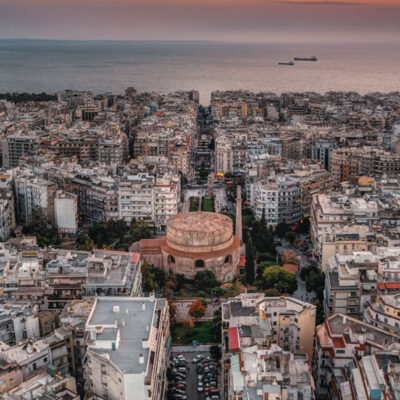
(133, 319)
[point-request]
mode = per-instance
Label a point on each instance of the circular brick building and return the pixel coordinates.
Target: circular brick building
(198, 241)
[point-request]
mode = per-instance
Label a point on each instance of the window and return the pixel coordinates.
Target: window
(171, 260)
(199, 264)
(228, 259)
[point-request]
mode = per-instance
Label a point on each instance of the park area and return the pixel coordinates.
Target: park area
(207, 204)
(201, 331)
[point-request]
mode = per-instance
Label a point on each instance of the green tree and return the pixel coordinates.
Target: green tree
(205, 280)
(272, 292)
(216, 352)
(152, 278)
(261, 268)
(216, 326)
(281, 229)
(234, 289)
(83, 243)
(280, 279)
(39, 226)
(139, 230)
(250, 256)
(290, 236)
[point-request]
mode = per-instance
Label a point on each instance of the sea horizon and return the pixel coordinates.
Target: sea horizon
(99, 66)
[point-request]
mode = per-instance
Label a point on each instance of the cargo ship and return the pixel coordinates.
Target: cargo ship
(313, 58)
(286, 63)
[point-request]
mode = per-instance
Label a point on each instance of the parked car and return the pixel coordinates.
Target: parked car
(198, 358)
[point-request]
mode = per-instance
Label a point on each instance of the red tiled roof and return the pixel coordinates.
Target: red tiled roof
(389, 285)
(392, 285)
(290, 268)
(381, 286)
(233, 338)
(338, 343)
(135, 258)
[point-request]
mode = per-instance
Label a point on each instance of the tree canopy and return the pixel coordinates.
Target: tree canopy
(205, 280)
(197, 309)
(276, 277)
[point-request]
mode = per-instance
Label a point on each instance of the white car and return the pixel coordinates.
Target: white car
(198, 358)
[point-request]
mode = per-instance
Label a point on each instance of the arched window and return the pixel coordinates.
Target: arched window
(199, 264)
(171, 260)
(228, 259)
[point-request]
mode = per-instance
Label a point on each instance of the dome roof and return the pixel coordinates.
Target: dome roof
(195, 230)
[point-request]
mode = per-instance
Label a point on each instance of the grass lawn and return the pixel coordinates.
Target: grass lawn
(194, 204)
(207, 204)
(201, 332)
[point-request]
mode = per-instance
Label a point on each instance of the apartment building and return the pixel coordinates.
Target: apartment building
(17, 323)
(33, 194)
(149, 198)
(350, 282)
(322, 150)
(291, 321)
(224, 155)
(17, 145)
(279, 197)
(127, 356)
(340, 340)
(344, 241)
(384, 313)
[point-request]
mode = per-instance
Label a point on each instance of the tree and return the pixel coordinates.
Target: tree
(250, 255)
(39, 226)
(188, 323)
(197, 309)
(271, 292)
(276, 277)
(216, 326)
(152, 277)
(83, 243)
(234, 289)
(290, 257)
(281, 229)
(261, 268)
(315, 281)
(263, 237)
(172, 310)
(139, 230)
(290, 236)
(216, 352)
(205, 280)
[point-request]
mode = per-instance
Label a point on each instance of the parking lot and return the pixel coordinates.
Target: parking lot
(192, 382)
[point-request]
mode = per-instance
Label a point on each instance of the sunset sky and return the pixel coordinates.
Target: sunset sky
(228, 20)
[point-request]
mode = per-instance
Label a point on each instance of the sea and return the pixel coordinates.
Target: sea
(166, 66)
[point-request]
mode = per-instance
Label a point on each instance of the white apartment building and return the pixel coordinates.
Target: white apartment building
(151, 199)
(127, 355)
(279, 197)
(33, 194)
(224, 155)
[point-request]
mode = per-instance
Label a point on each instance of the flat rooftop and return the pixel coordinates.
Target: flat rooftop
(134, 324)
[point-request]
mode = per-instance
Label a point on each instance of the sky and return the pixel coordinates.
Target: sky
(219, 20)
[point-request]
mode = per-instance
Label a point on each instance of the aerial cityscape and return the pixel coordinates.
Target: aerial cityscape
(200, 200)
